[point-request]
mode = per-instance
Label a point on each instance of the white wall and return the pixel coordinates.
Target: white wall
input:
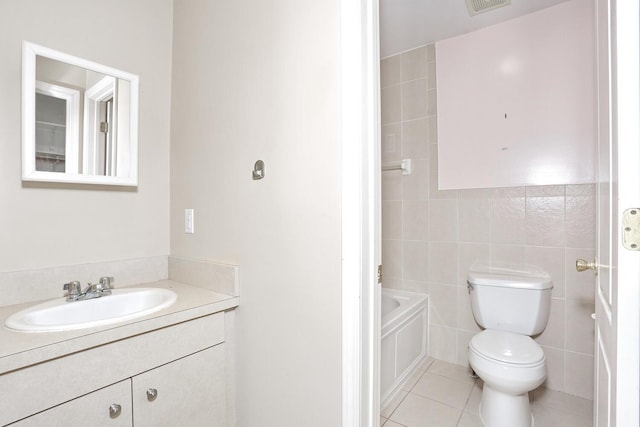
(51, 225)
(259, 80)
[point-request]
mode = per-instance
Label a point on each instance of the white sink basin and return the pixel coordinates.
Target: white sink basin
(59, 315)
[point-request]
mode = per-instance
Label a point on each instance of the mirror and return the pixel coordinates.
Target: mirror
(79, 120)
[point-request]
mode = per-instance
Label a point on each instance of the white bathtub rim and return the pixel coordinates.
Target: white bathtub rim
(405, 311)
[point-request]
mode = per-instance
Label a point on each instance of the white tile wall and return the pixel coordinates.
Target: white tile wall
(431, 237)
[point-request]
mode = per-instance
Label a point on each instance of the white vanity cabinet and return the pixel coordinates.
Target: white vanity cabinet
(172, 376)
(187, 392)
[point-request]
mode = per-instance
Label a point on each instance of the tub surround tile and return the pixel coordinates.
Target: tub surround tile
(414, 64)
(443, 304)
(391, 111)
(554, 359)
(468, 255)
(507, 254)
(392, 223)
(545, 221)
(442, 343)
(415, 286)
(392, 254)
(414, 220)
(581, 221)
(431, 75)
(554, 333)
(392, 185)
(414, 266)
(552, 261)
(390, 73)
(431, 52)
(465, 319)
(587, 190)
(575, 379)
(462, 345)
(474, 220)
(509, 192)
(443, 262)
(415, 144)
(545, 191)
(392, 142)
(443, 220)
(508, 220)
(414, 99)
(580, 327)
(415, 186)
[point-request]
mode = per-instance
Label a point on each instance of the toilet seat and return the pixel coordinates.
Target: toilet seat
(507, 348)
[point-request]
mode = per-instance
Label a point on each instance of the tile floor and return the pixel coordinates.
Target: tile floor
(442, 394)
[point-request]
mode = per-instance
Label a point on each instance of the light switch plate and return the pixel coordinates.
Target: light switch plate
(189, 221)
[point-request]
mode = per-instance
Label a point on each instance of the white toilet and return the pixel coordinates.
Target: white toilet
(512, 306)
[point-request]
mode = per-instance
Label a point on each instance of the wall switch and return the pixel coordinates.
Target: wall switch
(188, 221)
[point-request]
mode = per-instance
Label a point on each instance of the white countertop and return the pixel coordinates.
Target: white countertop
(20, 349)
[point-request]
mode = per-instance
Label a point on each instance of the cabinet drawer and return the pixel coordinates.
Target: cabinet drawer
(83, 372)
(89, 410)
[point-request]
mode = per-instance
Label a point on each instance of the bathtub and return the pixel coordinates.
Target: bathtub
(404, 339)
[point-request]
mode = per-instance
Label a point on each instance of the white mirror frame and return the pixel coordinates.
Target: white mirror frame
(29, 172)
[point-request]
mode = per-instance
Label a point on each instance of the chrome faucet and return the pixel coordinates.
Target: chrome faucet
(93, 290)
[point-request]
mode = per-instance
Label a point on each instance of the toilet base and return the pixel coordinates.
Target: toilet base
(499, 409)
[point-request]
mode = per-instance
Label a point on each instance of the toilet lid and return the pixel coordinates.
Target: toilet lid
(507, 347)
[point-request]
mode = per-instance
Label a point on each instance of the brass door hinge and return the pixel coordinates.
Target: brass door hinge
(631, 229)
(380, 273)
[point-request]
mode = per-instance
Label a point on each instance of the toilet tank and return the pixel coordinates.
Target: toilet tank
(512, 300)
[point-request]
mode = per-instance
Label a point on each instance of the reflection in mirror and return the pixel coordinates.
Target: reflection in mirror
(79, 120)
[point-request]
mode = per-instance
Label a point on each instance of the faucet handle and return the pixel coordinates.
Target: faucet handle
(73, 289)
(104, 285)
(106, 282)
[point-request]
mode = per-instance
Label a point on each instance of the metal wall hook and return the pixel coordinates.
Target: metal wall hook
(258, 170)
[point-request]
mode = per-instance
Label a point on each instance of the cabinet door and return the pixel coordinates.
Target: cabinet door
(188, 392)
(93, 409)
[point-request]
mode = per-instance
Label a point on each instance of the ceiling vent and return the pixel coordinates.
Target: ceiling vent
(479, 6)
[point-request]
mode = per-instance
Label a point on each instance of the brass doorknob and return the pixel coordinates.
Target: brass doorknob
(582, 265)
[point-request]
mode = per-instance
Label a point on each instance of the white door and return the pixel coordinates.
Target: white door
(617, 267)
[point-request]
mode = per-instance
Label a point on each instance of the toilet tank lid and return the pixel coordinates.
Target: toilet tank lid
(530, 278)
